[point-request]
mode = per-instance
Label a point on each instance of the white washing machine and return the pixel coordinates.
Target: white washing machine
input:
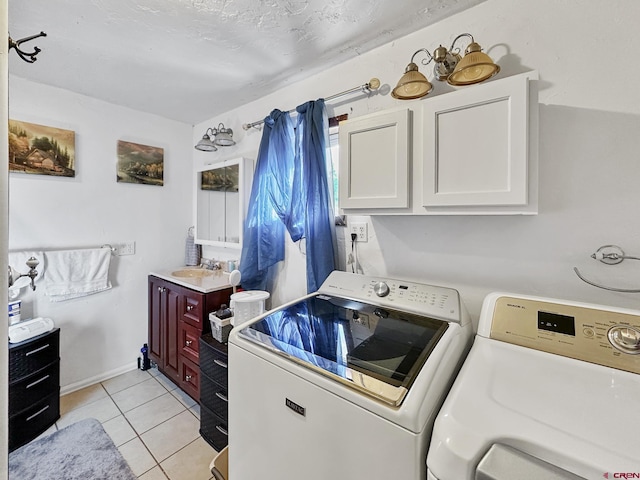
(344, 383)
(549, 390)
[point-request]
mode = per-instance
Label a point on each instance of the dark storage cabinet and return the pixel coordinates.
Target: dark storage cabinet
(213, 392)
(34, 387)
(178, 316)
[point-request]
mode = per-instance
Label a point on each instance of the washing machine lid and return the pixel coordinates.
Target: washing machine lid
(378, 351)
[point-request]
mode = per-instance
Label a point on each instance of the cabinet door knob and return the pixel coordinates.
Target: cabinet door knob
(189, 308)
(188, 378)
(162, 289)
(188, 343)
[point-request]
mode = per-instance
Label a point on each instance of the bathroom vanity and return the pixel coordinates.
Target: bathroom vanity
(180, 301)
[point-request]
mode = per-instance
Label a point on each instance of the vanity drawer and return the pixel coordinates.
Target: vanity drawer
(188, 341)
(189, 377)
(33, 354)
(31, 422)
(33, 388)
(192, 308)
(214, 396)
(213, 429)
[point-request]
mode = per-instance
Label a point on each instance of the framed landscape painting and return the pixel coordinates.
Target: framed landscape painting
(41, 150)
(140, 164)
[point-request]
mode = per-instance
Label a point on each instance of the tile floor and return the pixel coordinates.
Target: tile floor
(152, 422)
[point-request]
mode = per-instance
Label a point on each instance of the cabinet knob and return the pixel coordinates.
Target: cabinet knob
(188, 378)
(162, 289)
(189, 308)
(188, 343)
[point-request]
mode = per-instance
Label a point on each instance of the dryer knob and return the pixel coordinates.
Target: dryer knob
(625, 338)
(381, 289)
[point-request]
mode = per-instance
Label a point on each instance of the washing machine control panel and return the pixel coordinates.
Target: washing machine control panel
(590, 333)
(419, 298)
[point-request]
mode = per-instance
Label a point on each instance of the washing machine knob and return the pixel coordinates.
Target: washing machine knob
(625, 338)
(381, 289)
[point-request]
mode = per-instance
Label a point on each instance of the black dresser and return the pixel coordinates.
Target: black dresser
(34, 387)
(213, 392)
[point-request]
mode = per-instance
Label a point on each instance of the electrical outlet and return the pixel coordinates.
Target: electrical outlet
(360, 229)
(128, 248)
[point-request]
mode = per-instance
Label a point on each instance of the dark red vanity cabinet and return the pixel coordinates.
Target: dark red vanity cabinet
(178, 316)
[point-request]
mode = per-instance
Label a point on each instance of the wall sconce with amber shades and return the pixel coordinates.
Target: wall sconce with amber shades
(474, 67)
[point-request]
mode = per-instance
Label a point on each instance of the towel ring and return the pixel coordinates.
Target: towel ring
(609, 255)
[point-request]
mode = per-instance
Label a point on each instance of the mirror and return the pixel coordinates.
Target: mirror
(220, 202)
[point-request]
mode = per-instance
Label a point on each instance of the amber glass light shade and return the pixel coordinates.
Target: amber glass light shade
(475, 67)
(412, 84)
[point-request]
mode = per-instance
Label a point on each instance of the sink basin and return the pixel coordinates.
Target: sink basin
(192, 273)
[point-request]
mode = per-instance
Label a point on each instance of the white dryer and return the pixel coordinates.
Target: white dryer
(344, 383)
(549, 390)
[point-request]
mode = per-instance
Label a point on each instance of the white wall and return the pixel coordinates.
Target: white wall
(100, 334)
(589, 144)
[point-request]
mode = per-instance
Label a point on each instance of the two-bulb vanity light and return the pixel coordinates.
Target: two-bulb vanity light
(214, 138)
(474, 67)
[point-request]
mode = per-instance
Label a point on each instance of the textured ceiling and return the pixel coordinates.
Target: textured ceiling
(189, 60)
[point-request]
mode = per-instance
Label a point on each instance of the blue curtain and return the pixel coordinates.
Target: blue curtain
(270, 202)
(291, 189)
(312, 215)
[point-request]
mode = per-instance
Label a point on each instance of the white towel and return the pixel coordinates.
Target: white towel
(76, 273)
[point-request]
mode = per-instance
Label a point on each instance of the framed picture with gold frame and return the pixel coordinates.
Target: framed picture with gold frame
(141, 164)
(41, 150)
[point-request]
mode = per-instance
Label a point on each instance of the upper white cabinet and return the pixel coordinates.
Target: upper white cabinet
(474, 150)
(475, 145)
(375, 158)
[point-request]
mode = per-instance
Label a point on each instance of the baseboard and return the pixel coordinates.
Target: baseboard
(97, 379)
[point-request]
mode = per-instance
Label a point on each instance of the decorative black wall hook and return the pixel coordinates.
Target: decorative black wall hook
(27, 57)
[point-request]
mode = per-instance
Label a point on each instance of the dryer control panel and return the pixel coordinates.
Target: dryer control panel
(589, 333)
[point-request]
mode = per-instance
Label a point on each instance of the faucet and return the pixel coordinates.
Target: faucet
(211, 264)
(32, 263)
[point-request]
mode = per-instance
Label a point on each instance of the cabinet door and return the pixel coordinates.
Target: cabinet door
(475, 144)
(375, 159)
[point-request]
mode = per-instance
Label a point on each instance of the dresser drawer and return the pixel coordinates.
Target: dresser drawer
(33, 388)
(28, 424)
(214, 396)
(32, 355)
(213, 362)
(213, 429)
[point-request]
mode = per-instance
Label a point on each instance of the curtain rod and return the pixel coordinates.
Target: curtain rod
(368, 87)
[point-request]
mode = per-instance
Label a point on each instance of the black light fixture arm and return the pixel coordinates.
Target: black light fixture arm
(26, 56)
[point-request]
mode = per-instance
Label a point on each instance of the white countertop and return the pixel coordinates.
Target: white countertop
(211, 281)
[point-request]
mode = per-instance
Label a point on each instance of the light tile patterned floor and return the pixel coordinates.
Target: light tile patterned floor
(152, 422)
